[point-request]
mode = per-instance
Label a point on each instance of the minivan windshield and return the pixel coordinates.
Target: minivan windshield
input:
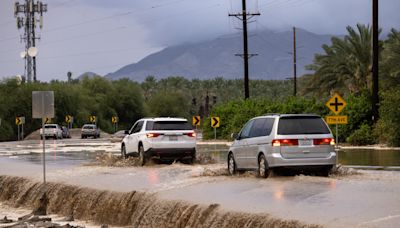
(168, 125)
(302, 125)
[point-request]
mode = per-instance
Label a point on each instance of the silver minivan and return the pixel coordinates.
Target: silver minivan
(283, 140)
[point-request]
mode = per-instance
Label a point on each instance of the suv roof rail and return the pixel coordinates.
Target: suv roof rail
(272, 114)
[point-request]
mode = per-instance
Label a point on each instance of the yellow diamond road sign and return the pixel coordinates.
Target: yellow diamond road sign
(68, 118)
(47, 120)
(196, 120)
(215, 122)
(92, 119)
(114, 119)
(336, 119)
(336, 104)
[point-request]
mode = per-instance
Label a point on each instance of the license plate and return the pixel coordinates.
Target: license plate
(173, 138)
(305, 142)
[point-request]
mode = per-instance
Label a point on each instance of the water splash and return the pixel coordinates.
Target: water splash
(136, 209)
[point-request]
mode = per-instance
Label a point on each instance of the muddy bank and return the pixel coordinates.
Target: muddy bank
(137, 209)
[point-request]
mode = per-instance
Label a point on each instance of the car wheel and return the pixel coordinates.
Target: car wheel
(325, 171)
(231, 164)
(142, 156)
(123, 152)
(263, 169)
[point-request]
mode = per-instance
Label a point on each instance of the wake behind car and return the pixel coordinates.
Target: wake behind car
(283, 140)
(51, 131)
(164, 138)
(90, 130)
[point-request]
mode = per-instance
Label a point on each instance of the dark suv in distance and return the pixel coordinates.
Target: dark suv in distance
(283, 140)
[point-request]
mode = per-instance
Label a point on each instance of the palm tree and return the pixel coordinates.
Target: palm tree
(345, 65)
(391, 59)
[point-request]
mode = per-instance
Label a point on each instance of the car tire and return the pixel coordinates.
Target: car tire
(325, 171)
(123, 152)
(193, 158)
(263, 169)
(232, 170)
(142, 156)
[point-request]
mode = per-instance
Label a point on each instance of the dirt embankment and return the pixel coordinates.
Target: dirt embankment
(136, 209)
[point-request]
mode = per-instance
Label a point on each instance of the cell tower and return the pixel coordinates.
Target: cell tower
(28, 21)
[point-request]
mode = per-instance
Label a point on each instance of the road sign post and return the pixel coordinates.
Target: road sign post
(115, 120)
(69, 120)
(336, 104)
(43, 108)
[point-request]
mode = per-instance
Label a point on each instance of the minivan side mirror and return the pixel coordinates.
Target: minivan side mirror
(126, 132)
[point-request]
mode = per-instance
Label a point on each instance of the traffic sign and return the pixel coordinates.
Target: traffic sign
(92, 119)
(20, 120)
(47, 120)
(336, 119)
(68, 118)
(196, 120)
(215, 122)
(336, 104)
(114, 119)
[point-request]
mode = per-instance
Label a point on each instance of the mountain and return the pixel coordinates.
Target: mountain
(216, 58)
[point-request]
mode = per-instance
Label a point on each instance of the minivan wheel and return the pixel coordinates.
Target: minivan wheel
(123, 152)
(263, 169)
(231, 164)
(142, 157)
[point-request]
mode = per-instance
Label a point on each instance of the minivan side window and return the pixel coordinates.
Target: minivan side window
(262, 127)
(245, 133)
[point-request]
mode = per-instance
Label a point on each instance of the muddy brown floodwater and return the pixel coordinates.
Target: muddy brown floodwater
(90, 181)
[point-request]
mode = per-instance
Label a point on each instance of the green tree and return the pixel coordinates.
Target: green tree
(345, 66)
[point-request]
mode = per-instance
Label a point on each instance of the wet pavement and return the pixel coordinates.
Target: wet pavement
(368, 199)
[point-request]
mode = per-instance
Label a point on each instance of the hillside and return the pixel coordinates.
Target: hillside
(216, 58)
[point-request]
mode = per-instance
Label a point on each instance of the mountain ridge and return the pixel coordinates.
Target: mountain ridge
(216, 57)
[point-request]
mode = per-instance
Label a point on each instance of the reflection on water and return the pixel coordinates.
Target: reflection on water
(354, 157)
(370, 157)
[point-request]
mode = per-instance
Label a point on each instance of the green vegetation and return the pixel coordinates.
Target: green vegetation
(344, 67)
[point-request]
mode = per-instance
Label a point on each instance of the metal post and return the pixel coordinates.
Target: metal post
(44, 152)
(18, 132)
(375, 61)
(22, 132)
(294, 62)
(337, 137)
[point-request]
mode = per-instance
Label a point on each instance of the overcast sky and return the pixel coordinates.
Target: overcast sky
(104, 35)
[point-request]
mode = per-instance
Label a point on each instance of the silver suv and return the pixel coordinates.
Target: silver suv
(283, 140)
(165, 138)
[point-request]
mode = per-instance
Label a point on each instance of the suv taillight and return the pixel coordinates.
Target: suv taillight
(191, 134)
(285, 142)
(325, 141)
(152, 135)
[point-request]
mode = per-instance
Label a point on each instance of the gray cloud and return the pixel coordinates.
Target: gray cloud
(103, 35)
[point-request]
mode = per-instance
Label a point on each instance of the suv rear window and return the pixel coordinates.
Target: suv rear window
(88, 127)
(168, 125)
(50, 126)
(302, 125)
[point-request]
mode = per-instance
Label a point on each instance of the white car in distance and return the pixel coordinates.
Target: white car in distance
(164, 138)
(51, 131)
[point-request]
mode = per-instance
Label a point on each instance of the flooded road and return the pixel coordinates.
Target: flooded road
(359, 198)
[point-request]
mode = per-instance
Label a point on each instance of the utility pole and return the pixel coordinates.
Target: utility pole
(244, 17)
(28, 21)
(294, 62)
(375, 61)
